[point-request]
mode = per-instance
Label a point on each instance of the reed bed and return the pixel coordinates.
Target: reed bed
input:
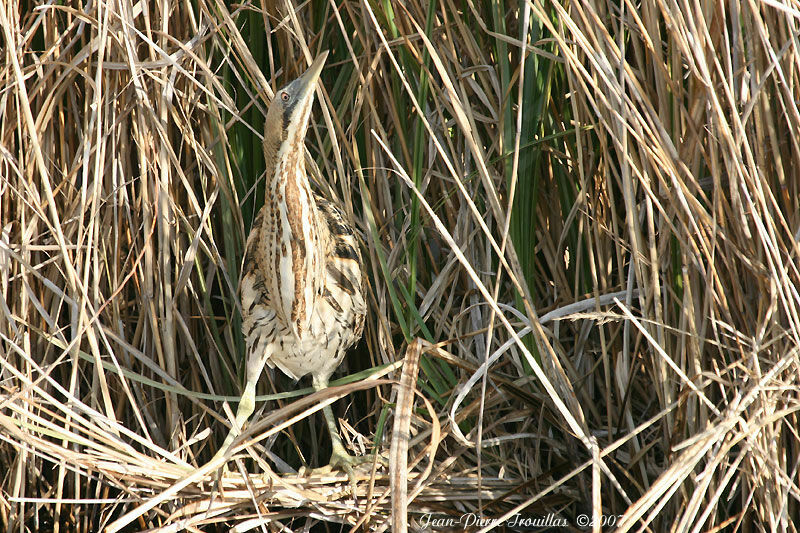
(580, 223)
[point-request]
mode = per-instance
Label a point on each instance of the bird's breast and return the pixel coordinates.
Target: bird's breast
(292, 247)
(335, 324)
(335, 319)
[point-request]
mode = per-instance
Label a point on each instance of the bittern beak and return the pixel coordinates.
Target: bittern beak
(308, 81)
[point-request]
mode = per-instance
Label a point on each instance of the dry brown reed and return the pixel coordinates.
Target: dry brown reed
(581, 225)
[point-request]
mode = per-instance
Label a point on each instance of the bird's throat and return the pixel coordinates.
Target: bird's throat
(291, 228)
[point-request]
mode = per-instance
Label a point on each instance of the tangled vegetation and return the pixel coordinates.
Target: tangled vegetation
(580, 223)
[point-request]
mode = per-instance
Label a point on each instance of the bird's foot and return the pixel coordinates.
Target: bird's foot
(341, 460)
(344, 462)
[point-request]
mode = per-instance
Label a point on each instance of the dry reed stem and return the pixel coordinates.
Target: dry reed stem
(625, 343)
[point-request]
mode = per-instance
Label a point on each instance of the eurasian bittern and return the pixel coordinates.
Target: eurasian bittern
(302, 292)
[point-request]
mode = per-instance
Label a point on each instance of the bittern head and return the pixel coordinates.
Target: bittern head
(287, 118)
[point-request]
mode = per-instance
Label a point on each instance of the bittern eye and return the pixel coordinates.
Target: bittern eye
(285, 96)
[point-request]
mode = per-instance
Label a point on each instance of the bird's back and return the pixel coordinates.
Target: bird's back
(338, 313)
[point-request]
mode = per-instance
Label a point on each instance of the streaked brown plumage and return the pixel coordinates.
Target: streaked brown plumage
(302, 290)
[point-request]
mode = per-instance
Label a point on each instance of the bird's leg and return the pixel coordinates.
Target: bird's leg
(246, 407)
(247, 403)
(340, 459)
(339, 456)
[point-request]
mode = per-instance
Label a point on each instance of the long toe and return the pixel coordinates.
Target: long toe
(344, 462)
(341, 460)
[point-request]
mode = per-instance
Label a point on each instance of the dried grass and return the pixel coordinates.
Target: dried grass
(580, 224)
